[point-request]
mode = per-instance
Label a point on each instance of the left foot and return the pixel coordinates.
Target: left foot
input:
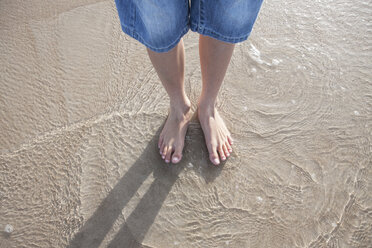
(217, 137)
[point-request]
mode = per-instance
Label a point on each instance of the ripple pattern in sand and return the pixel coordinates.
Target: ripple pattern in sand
(82, 107)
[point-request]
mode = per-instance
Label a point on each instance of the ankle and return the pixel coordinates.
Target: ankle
(207, 106)
(181, 107)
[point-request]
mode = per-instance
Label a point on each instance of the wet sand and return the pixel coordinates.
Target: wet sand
(81, 108)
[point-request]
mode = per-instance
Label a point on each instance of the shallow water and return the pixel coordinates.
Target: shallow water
(81, 109)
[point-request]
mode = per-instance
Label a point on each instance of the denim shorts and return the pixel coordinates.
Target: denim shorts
(160, 24)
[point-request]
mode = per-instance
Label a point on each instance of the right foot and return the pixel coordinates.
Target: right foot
(172, 137)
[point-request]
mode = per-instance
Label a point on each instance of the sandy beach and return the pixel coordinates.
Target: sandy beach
(81, 109)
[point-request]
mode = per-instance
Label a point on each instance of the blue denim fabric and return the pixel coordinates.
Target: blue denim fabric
(160, 24)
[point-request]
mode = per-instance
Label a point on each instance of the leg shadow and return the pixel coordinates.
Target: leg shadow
(136, 226)
(96, 227)
(140, 220)
(142, 217)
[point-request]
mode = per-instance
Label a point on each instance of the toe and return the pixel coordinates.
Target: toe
(160, 142)
(222, 153)
(164, 151)
(226, 151)
(161, 149)
(228, 147)
(213, 156)
(230, 140)
(168, 155)
(177, 155)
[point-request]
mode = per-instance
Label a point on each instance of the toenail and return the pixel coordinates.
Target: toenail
(223, 158)
(167, 161)
(162, 156)
(216, 161)
(175, 159)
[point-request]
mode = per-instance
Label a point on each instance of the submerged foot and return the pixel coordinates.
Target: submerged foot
(172, 137)
(217, 137)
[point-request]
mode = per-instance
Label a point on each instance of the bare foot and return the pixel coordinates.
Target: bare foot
(172, 137)
(217, 137)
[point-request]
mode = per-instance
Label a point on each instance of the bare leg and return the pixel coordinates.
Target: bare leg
(170, 69)
(215, 57)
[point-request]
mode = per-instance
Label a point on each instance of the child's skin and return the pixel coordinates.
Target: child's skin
(215, 57)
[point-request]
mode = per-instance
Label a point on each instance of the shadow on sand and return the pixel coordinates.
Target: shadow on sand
(96, 228)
